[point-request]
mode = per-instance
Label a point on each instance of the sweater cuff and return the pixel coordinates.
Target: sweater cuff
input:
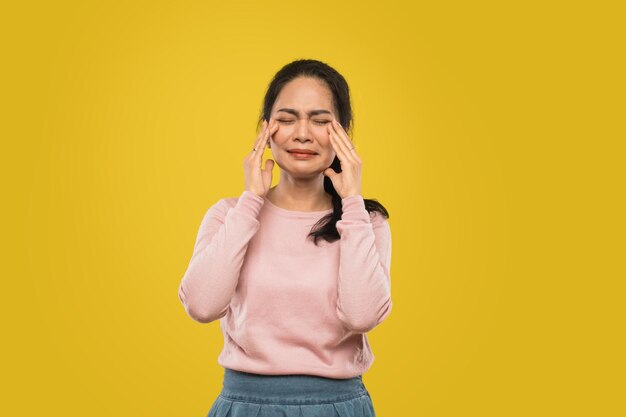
(250, 203)
(354, 208)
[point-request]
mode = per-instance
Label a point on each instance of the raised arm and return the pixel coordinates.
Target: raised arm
(364, 289)
(209, 282)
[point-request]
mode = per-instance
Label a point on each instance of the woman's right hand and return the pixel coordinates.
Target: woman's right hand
(256, 179)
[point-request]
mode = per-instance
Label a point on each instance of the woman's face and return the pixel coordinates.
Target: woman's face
(303, 110)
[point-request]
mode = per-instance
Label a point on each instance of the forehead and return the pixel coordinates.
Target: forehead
(304, 94)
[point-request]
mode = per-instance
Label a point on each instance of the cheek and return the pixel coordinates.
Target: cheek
(326, 143)
(278, 136)
(329, 153)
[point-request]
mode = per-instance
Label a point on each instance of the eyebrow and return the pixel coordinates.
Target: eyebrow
(310, 113)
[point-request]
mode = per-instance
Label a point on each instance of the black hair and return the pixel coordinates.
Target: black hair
(325, 228)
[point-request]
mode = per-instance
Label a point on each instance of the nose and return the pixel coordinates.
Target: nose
(302, 130)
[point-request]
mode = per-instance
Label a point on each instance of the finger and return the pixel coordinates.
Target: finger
(269, 164)
(260, 137)
(342, 151)
(273, 128)
(345, 139)
(341, 154)
(270, 129)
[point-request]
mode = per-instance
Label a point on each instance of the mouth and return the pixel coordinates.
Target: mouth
(302, 155)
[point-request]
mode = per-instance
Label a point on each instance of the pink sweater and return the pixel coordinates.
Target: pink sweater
(285, 305)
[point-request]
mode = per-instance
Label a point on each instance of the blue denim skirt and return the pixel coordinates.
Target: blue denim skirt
(253, 395)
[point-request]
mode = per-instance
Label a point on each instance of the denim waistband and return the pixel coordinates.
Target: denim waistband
(244, 386)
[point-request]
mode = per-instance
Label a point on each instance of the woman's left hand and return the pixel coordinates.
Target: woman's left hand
(347, 182)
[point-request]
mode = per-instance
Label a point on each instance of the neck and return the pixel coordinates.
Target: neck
(301, 194)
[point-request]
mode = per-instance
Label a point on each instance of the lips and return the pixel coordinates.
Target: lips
(305, 151)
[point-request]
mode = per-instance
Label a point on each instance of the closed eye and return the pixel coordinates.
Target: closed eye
(320, 122)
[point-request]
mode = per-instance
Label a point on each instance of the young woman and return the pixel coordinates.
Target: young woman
(297, 273)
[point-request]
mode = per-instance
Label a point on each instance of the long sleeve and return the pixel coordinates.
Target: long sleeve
(209, 282)
(364, 289)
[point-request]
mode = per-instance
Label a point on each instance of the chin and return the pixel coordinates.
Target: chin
(302, 172)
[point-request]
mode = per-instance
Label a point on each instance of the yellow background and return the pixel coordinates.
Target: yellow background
(492, 132)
